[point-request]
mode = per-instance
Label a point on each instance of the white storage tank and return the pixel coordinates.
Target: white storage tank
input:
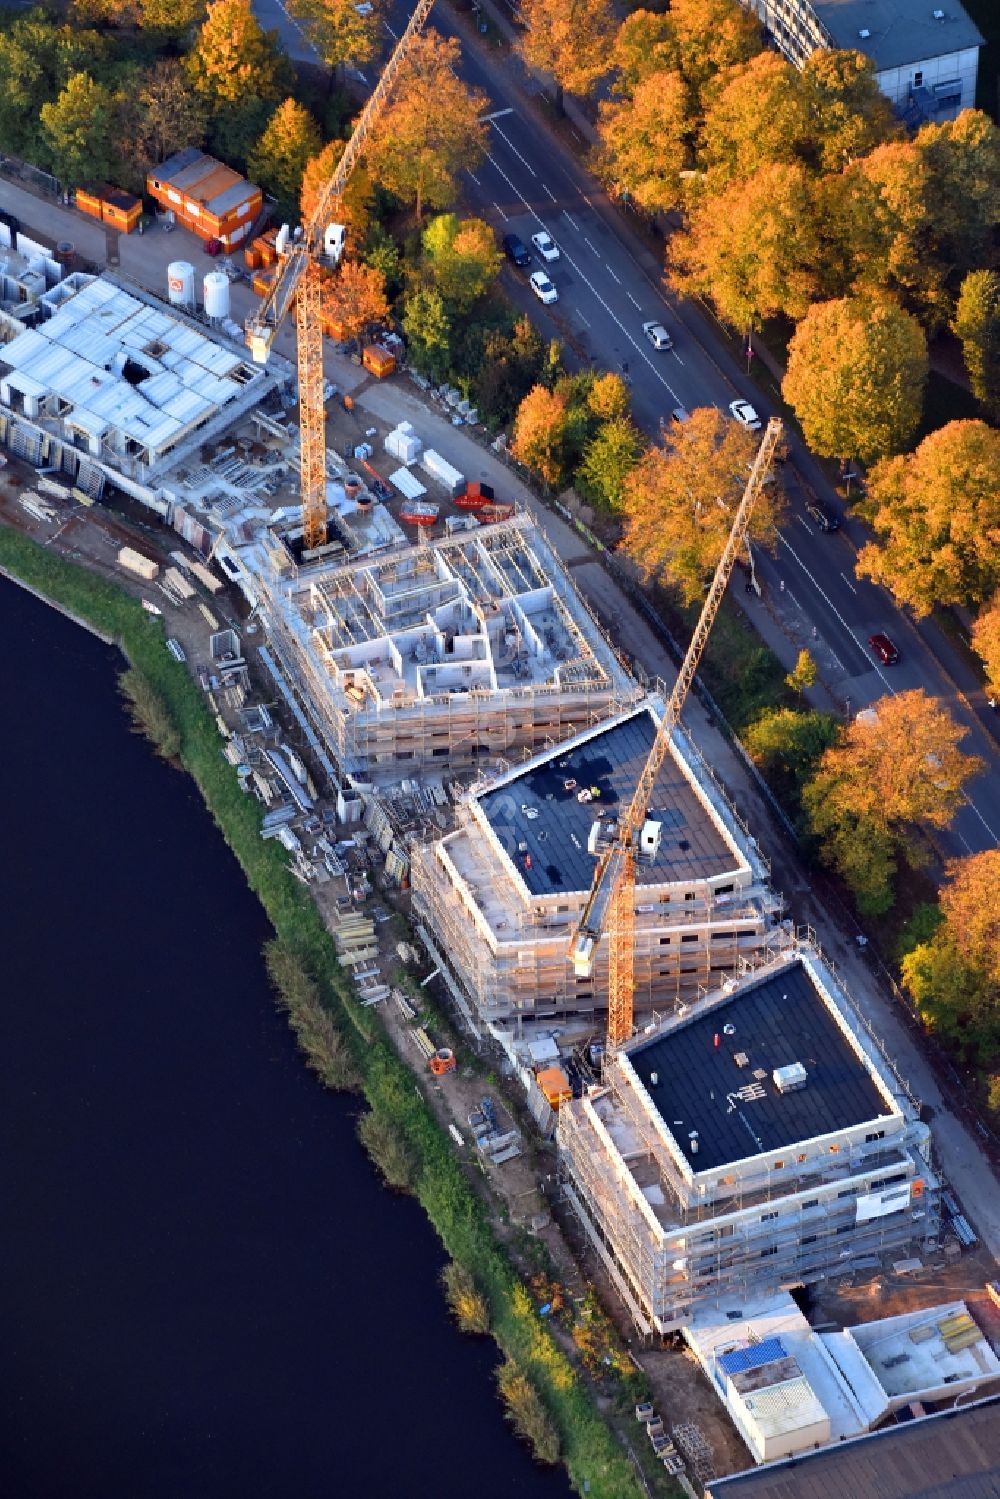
(180, 283)
(216, 287)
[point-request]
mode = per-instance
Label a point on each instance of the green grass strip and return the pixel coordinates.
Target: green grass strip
(593, 1457)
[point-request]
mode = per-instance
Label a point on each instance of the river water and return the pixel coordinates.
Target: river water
(204, 1290)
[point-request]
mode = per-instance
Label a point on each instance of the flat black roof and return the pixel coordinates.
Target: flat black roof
(780, 1021)
(544, 827)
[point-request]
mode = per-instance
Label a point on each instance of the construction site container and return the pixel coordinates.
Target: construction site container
(206, 196)
(252, 257)
(216, 289)
(135, 562)
(378, 361)
(262, 280)
(180, 283)
(121, 210)
(554, 1085)
(88, 199)
(334, 329)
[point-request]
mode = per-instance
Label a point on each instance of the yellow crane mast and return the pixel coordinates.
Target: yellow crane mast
(321, 243)
(610, 906)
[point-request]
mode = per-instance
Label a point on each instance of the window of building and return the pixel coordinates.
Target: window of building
(803, 1156)
(723, 889)
(690, 937)
(771, 1249)
(891, 1181)
(766, 1217)
(777, 1166)
(847, 1192)
(812, 1203)
(878, 1134)
(918, 79)
(846, 1228)
(689, 895)
(809, 1239)
(834, 1149)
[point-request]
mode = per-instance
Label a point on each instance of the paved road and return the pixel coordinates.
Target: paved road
(607, 287)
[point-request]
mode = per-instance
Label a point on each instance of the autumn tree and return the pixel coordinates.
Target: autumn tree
(963, 161)
(803, 674)
(279, 159)
(76, 130)
(644, 45)
(428, 330)
(894, 771)
(680, 499)
(354, 298)
(711, 36)
(954, 978)
(643, 142)
(977, 324)
(340, 30)
(855, 377)
(986, 644)
(787, 744)
(511, 364)
(161, 115)
(541, 430)
(353, 209)
(848, 112)
(430, 129)
(936, 514)
(886, 213)
(756, 116)
(569, 39)
(752, 248)
(241, 72)
(608, 397)
(461, 257)
(608, 459)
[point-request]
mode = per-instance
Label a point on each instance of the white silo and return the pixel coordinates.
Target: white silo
(216, 288)
(180, 283)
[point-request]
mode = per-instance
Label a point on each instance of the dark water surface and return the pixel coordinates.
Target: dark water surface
(204, 1291)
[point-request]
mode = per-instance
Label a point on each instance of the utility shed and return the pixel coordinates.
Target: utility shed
(206, 196)
(954, 1455)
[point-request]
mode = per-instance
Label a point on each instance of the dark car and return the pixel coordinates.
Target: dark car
(884, 649)
(823, 518)
(516, 250)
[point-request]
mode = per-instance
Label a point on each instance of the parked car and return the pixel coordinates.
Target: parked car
(516, 250)
(658, 335)
(545, 245)
(744, 413)
(884, 649)
(543, 288)
(822, 518)
(679, 414)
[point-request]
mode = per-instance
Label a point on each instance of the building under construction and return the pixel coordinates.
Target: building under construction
(439, 655)
(758, 1142)
(502, 894)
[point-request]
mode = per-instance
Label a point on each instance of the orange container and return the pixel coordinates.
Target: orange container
(251, 259)
(378, 361)
(261, 282)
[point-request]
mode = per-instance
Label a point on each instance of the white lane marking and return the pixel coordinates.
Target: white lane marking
(497, 114)
(611, 273)
(591, 244)
(586, 200)
(591, 287)
(473, 176)
(523, 160)
(848, 582)
(583, 320)
(549, 191)
(500, 211)
(677, 357)
(803, 522)
(633, 301)
(574, 225)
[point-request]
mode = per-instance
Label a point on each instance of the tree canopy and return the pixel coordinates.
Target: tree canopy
(571, 39)
(354, 297)
(279, 159)
(954, 979)
(541, 432)
(163, 114)
(644, 45)
(234, 60)
(461, 257)
(893, 771)
(986, 644)
(855, 377)
(340, 30)
(936, 513)
(977, 324)
(757, 116)
(76, 130)
(608, 460)
(430, 129)
(753, 247)
(848, 111)
(353, 210)
(643, 142)
(680, 498)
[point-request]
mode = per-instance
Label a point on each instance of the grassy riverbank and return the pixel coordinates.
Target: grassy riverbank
(595, 1461)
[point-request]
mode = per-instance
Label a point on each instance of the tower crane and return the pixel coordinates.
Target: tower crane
(610, 905)
(298, 278)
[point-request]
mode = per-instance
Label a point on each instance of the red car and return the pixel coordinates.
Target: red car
(884, 649)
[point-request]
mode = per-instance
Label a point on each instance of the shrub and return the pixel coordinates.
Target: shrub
(526, 1413)
(149, 713)
(466, 1302)
(389, 1150)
